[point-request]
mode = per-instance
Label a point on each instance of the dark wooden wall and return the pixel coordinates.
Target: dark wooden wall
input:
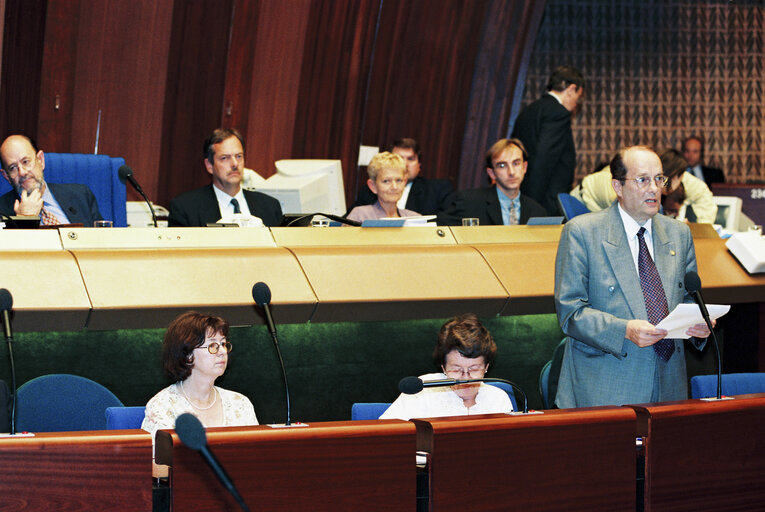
(299, 79)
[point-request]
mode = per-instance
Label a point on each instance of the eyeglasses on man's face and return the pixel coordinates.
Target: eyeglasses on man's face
(213, 348)
(643, 181)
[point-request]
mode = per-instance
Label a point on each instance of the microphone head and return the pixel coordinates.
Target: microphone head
(6, 300)
(410, 385)
(125, 172)
(261, 294)
(191, 431)
(692, 282)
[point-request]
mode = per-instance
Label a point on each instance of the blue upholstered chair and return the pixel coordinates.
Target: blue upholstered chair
(98, 172)
(571, 206)
(118, 418)
(705, 386)
(61, 402)
(368, 410)
(548, 377)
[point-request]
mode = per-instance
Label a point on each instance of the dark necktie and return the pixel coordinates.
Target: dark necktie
(235, 204)
(653, 293)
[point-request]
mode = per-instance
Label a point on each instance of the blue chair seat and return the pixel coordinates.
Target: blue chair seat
(705, 386)
(118, 418)
(368, 410)
(61, 402)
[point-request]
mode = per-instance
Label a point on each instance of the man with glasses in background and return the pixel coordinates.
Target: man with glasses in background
(464, 350)
(618, 273)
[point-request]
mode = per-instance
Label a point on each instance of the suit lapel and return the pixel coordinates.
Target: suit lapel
(619, 256)
(492, 206)
(415, 194)
(209, 210)
(665, 254)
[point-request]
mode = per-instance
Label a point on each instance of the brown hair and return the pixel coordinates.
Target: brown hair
(183, 335)
(468, 336)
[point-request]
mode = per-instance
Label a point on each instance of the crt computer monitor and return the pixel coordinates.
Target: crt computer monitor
(307, 186)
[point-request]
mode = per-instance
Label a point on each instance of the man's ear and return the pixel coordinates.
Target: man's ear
(208, 166)
(41, 157)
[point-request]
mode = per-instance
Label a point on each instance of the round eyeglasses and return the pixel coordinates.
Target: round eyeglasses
(214, 347)
(474, 372)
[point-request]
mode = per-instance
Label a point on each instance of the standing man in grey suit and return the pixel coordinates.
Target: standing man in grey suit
(54, 203)
(224, 197)
(609, 293)
(544, 127)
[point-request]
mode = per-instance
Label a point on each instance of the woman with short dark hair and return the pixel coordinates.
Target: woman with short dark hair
(464, 350)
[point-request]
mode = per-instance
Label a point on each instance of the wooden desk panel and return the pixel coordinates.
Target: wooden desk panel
(704, 455)
(723, 279)
(100, 470)
(361, 465)
(577, 459)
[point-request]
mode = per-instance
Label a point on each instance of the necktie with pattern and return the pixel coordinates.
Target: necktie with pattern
(653, 293)
(48, 218)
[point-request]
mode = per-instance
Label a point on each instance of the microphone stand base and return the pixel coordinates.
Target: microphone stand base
(715, 399)
(284, 425)
(521, 413)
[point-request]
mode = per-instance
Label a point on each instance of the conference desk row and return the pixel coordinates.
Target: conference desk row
(690, 455)
(128, 278)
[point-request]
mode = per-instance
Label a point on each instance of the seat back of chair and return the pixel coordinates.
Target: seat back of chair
(368, 410)
(62, 402)
(704, 386)
(507, 388)
(571, 206)
(120, 418)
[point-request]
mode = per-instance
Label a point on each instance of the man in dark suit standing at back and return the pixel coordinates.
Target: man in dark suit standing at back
(224, 197)
(544, 127)
(503, 204)
(693, 152)
(425, 196)
(54, 203)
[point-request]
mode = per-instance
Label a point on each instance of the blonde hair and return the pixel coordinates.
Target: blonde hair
(385, 160)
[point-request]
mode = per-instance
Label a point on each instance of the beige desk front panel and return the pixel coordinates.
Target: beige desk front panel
(47, 289)
(358, 284)
(505, 234)
(344, 236)
(527, 271)
(148, 288)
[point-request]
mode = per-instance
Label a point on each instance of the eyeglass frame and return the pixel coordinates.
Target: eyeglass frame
(226, 344)
(643, 181)
(469, 372)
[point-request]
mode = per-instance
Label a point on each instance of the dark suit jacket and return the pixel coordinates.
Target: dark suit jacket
(712, 175)
(544, 127)
(483, 204)
(427, 196)
(199, 207)
(77, 201)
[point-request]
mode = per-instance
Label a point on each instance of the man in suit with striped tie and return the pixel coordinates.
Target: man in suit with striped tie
(54, 203)
(618, 272)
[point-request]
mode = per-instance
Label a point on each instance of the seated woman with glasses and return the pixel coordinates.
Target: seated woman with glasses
(464, 350)
(194, 354)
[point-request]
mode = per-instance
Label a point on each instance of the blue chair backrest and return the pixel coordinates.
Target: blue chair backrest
(61, 402)
(118, 418)
(544, 382)
(571, 206)
(507, 388)
(98, 172)
(705, 386)
(368, 410)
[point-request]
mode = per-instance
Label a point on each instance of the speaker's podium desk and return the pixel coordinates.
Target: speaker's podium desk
(576, 459)
(703, 455)
(360, 465)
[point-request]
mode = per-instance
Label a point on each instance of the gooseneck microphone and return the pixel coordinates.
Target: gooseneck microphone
(412, 385)
(6, 305)
(261, 294)
(126, 174)
(192, 434)
(693, 287)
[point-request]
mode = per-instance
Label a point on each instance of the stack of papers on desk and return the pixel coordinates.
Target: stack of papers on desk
(395, 222)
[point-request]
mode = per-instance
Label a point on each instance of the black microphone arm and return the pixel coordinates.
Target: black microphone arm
(412, 385)
(693, 286)
(192, 434)
(261, 294)
(126, 174)
(341, 220)
(6, 305)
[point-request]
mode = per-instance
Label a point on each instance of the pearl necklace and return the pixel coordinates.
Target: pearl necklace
(215, 399)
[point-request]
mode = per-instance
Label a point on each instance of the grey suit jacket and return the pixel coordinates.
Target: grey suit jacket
(597, 291)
